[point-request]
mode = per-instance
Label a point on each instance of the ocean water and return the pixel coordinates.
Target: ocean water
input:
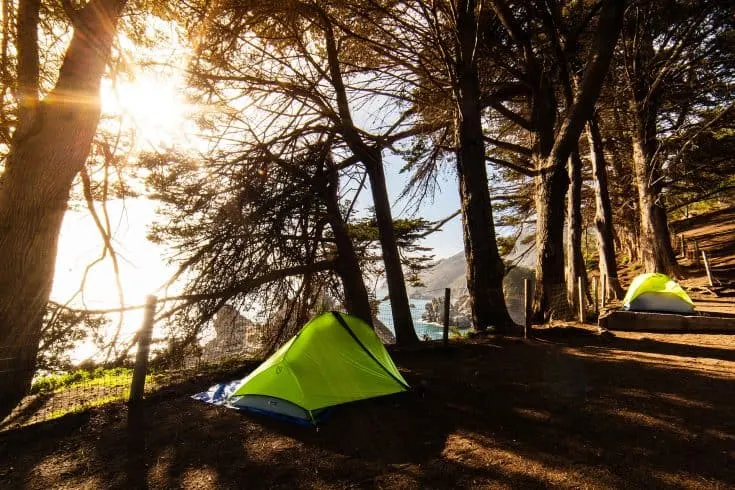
(418, 307)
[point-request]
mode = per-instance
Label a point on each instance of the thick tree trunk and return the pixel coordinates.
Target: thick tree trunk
(485, 268)
(603, 210)
(357, 300)
(550, 297)
(552, 179)
(654, 239)
(575, 266)
(34, 189)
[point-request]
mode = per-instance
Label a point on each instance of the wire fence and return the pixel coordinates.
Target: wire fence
(54, 395)
(233, 341)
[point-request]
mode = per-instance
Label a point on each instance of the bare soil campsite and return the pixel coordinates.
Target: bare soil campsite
(343, 244)
(570, 409)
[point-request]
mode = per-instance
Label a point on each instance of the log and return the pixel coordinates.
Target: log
(646, 321)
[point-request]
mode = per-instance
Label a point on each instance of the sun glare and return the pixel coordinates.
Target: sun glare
(153, 106)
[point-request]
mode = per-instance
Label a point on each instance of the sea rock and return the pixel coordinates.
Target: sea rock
(460, 313)
(235, 336)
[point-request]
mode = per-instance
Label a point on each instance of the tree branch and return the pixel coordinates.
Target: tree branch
(610, 22)
(528, 172)
(509, 146)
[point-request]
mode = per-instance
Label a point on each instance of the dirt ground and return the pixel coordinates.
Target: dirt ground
(715, 234)
(569, 409)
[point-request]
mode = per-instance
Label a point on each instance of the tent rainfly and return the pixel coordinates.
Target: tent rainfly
(335, 358)
(657, 292)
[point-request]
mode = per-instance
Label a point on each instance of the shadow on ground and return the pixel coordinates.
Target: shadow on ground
(562, 410)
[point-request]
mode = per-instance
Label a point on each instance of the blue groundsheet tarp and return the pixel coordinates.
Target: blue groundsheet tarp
(218, 394)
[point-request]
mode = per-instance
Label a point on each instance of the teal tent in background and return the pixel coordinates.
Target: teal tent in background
(335, 358)
(657, 292)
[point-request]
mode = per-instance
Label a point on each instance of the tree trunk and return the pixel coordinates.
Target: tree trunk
(400, 308)
(357, 300)
(34, 190)
(654, 241)
(552, 179)
(485, 268)
(371, 157)
(603, 210)
(654, 238)
(575, 266)
(550, 297)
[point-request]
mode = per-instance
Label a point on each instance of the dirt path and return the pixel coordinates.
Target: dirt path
(571, 409)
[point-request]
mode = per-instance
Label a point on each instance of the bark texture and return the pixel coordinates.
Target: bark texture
(603, 211)
(485, 268)
(575, 266)
(655, 248)
(551, 296)
(48, 150)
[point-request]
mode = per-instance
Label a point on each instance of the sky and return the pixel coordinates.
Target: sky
(151, 101)
(143, 265)
(445, 242)
(153, 104)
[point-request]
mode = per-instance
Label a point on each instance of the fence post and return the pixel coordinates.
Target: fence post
(447, 297)
(595, 285)
(137, 387)
(706, 268)
(580, 292)
(526, 308)
(696, 252)
(682, 246)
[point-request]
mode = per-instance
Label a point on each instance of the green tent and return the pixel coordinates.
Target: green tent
(657, 292)
(335, 358)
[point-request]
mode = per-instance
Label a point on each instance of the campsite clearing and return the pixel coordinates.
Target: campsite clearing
(571, 409)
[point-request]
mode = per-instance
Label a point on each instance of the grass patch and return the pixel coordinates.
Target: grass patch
(60, 412)
(55, 383)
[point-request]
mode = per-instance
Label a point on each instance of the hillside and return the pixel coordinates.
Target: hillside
(446, 273)
(715, 235)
